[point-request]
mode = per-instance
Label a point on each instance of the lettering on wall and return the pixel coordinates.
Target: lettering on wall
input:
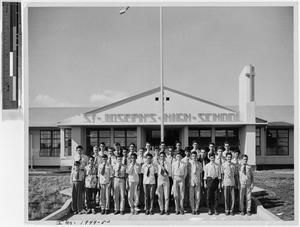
(168, 117)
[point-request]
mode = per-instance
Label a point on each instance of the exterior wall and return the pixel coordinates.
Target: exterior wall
(247, 142)
(263, 159)
(34, 150)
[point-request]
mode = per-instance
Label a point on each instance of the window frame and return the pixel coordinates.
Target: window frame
(67, 149)
(51, 153)
(277, 146)
(259, 137)
(126, 135)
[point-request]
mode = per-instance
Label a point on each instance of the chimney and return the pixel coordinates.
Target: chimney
(247, 94)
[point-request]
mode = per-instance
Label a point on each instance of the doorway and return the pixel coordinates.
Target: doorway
(171, 136)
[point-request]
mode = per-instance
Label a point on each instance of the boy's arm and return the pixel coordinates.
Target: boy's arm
(251, 179)
(71, 177)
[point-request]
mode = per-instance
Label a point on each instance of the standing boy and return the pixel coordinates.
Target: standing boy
(91, 185)
(195, 181)
(179, 172)
(212, 182)
(246, 184)
(141, 160)
(77, 179)
(149, 170)
(105, 175)
(133, 183)
(119, 186)
(163, 184)
(229, 181)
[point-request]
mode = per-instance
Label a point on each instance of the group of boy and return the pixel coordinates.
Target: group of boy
(187, 176)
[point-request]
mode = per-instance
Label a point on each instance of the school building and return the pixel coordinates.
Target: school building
(264, 133)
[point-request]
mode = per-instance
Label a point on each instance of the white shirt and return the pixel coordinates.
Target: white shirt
(212, 170)
(151, 178)
(134, 175)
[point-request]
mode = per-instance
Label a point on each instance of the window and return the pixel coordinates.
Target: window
(68, 142)
(97, 136)
(258, 141)
(49, 143)
(278, 142)
(227, 134)
(125, 136)
(202, 136)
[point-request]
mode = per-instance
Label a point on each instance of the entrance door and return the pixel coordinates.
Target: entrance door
(171, 136)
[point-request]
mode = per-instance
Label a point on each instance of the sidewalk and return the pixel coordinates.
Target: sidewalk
(157, 219)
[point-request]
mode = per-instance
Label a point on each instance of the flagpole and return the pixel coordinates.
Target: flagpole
(162, 136)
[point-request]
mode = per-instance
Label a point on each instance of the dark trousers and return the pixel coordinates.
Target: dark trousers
(212, 193)
(171, 197)
(77, 204)
(141, 193)
(149, 191)
(90, 197)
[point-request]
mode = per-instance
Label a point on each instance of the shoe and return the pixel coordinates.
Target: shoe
(182, 212)
(75, 213)
(248, 213)
(232, 213)
(226, 213)
(93, 211)
(167, 212)
(177, 212)
(116, 212)
(216, 212)
(106, 211)
(88, 211)
(198, 212)
(103, 212)
(161, 212)
(132, 212)
(82, 212)
(210, 212)
(147, 212)
(243, 213)
(151, 212)
(122, 212)
(137, 209)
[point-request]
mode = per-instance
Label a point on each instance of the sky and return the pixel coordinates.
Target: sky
(93, 56)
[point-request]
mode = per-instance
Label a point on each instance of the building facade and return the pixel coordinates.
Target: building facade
(265, 134)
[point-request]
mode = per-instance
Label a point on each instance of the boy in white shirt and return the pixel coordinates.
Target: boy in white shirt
(148, 171)
(163, 184)
(105, 176)
(195, 181)
(133, 183)
(179, 172)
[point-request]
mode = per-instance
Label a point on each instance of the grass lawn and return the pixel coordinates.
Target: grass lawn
(43, 192)
(279, 184)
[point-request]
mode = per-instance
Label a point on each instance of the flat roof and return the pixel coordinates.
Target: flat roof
(49, 116)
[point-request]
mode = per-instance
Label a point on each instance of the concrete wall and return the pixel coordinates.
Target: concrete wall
(247, 143)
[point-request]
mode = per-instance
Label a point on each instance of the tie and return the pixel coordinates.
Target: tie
(194, 167)
(119, 170)
(178, 165)
(214, 174)
(103, 170)
(220, 161)
(109, 160)
(131, 169)
(148, 172)
(162, 172)
(244, 169)
(77, 175)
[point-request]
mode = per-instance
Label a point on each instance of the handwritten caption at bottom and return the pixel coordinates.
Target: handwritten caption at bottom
(68, 222)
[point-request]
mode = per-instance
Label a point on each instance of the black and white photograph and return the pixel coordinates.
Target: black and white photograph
(153, 113)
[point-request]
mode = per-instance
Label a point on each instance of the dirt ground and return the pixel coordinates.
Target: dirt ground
(279, 184)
